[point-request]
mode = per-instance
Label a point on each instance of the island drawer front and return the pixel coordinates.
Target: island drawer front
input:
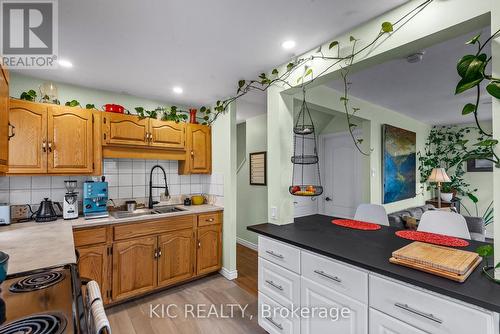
(271, 321)
(279, 283)
(89, 236)
(427, 311)
(208, 219)
(381, 323)
(280, 253)
(139, 229)
(334, 275)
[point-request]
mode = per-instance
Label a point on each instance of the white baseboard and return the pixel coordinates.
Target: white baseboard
(247, 244)
(229, 274)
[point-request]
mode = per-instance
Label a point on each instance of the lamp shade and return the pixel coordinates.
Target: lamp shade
(439, 175)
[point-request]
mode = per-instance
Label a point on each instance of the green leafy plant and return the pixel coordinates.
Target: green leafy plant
(472, 71)
(29, 95)
(173, 114)
(90, 106)
(73, 103)
(447, 146)
(487, 252)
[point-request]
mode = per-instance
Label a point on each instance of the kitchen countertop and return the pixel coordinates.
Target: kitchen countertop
(188, 210)
(34, 246)
(371, 250)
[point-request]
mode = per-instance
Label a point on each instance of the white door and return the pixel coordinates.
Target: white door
(342, 174)
(318, 297)
(384, 324)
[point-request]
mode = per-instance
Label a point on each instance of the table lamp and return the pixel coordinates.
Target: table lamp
(439, 175)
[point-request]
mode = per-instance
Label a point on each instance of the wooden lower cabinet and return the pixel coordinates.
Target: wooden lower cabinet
(176, 257)
(209, 252)
(128, 264)
(93, 264)
(134, 267)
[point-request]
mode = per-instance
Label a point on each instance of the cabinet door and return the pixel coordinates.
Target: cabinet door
(209, 252)
(316, 295)
(69, 140)
(94, 264)
(176, 260)
(4, 121)
(381, 323)
(200, 144)
(134, 267)
(28, 147)
(167, 134)
(125, 130)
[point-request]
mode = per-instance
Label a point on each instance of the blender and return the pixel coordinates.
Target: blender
(70, 203)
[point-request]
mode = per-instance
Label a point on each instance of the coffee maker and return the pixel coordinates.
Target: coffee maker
(70, 203)
(95, 199)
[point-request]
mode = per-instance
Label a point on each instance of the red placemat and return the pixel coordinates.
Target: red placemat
(432, 238)
(356, 224)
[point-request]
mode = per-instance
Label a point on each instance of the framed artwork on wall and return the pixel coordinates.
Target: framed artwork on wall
(258, 168)
(399, 169)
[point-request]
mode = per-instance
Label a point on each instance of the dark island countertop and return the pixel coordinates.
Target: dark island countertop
(371, 250)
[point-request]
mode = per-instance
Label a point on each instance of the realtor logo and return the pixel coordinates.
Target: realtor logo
(29, 33)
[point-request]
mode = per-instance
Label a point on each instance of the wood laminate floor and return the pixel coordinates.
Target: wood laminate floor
(213, 293)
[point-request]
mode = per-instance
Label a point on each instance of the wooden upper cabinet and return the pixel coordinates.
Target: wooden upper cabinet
(122, 129)
(134, 267)
(199, 150)
(69, 144)
(28, 147)
(209, 251)
(167, 134)
(93, 264)
(176, 260)
(4, 120)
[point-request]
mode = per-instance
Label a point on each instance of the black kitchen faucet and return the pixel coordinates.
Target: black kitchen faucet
(151, 202)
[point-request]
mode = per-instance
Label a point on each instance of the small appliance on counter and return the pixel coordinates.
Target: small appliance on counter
(70, 203)
(95, 198)
(4, 214)
(187, 201)
(46, 211)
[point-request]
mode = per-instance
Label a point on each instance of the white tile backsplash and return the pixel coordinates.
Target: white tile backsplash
(127, 179)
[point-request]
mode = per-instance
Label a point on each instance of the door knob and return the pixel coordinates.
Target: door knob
(328, 199)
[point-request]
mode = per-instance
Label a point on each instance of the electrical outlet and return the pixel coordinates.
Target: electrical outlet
(274, 212)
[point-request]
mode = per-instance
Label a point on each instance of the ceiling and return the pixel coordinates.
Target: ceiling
(423, 90)
(147, 47)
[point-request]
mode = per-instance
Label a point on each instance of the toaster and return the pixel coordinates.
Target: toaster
(4, 214)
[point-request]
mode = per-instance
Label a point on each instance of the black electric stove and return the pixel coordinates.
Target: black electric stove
(47, 301)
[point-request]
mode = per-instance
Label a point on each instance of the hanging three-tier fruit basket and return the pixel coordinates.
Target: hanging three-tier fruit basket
(306, 179)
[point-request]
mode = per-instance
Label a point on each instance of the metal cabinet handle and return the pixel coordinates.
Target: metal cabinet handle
(44, 145)
(333, 278)
(279, 256)
(274, 285)
(50, 146)
(210, 220)
(11, 131)
(159, 252)
(274, 323)
(199, 244)
(429, 316)
(146, 136)
(192, 153)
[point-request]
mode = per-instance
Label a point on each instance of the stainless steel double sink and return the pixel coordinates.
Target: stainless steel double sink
(146, 212)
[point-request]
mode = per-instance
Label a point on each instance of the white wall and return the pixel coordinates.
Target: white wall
(251, 200)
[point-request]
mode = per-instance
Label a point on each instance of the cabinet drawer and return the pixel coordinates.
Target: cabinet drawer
(134, 230)
(427, 311)
(334, 275)
(272, 321)
(381, 323)
(278, 283)
(90, 236)
(209, 219)
(280, 253)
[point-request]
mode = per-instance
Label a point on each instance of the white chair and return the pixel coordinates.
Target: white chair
(372, 213)
(442, 222)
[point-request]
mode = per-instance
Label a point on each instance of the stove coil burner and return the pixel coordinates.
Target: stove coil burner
(45, 323)
(37, 281)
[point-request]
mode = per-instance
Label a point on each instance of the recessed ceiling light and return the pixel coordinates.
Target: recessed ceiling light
(65, 63)
(287, 45)
(177, 90)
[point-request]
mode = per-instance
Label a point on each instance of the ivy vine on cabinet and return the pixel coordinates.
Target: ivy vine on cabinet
(5, 129)
(53, 139)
